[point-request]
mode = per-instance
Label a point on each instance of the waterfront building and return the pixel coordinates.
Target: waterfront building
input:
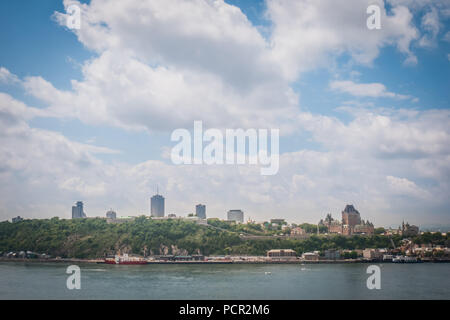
(78, 211)
(200, 211)
(310, 256)
(235, 215)
(372, 254)
(281, 253)
(157, 206)
(111, 214)
(17, 219)
(332, 254)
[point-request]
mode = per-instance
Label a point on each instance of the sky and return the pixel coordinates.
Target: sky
(364, 115)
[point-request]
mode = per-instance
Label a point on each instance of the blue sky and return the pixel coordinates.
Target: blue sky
(355, 90)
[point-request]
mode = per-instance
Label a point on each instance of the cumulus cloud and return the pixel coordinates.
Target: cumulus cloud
(7, 77)
(373, 90)
(124, 92)
(405, 187)
(174, 62)
(370, 162)
(307, 33)
(205, 36)
(33, 162)
(160, 65)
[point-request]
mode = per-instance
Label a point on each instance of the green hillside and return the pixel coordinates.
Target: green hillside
(93, 238)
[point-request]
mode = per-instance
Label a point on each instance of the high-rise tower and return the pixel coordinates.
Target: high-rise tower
(157, 205)
(77, 211)
(200, 211)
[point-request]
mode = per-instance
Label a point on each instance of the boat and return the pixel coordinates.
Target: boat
(125, 259)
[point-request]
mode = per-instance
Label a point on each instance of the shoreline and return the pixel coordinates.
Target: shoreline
(300, 262)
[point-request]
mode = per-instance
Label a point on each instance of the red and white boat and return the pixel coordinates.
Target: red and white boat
(125, 259)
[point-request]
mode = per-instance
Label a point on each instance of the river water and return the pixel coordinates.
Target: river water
(319, 281)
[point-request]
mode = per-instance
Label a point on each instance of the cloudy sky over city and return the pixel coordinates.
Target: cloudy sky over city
(364, 115)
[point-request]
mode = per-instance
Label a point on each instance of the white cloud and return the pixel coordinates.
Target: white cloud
(361, 165)
(203, 35)
(173, 62)
(34, 162)
(430, 23)
(373, 90)
(405, 187)
(307, 33)
(163, 98)
(7, 77)
(163, 64)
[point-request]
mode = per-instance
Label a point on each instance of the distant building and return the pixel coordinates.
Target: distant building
(332, 254)
(78, 211)
(372, 254)
(200, 211)
(17, 219)
(281, 253)
(157, 206)
(409, 230)
(333, 226)
(278, 221)
(297, 231)
(111, 214)
(235, 215)
(350, 216)
(350, 224)
(310, 256)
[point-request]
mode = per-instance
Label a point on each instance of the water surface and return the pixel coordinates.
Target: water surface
(319, 281)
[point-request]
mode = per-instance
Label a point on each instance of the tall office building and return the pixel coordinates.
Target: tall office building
(111, 214)
(77, 211)
(157, 206)
(200, 211)
(235, 215)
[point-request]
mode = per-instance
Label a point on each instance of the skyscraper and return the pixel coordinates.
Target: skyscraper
(157, 206)
(77, 211)
(235, 215)
(200, 211)
(111, 214)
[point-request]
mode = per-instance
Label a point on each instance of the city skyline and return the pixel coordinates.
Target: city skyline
(237, 215)
(363, 115)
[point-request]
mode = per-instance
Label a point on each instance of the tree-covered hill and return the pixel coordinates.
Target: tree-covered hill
(94, 238)
(90, 238)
